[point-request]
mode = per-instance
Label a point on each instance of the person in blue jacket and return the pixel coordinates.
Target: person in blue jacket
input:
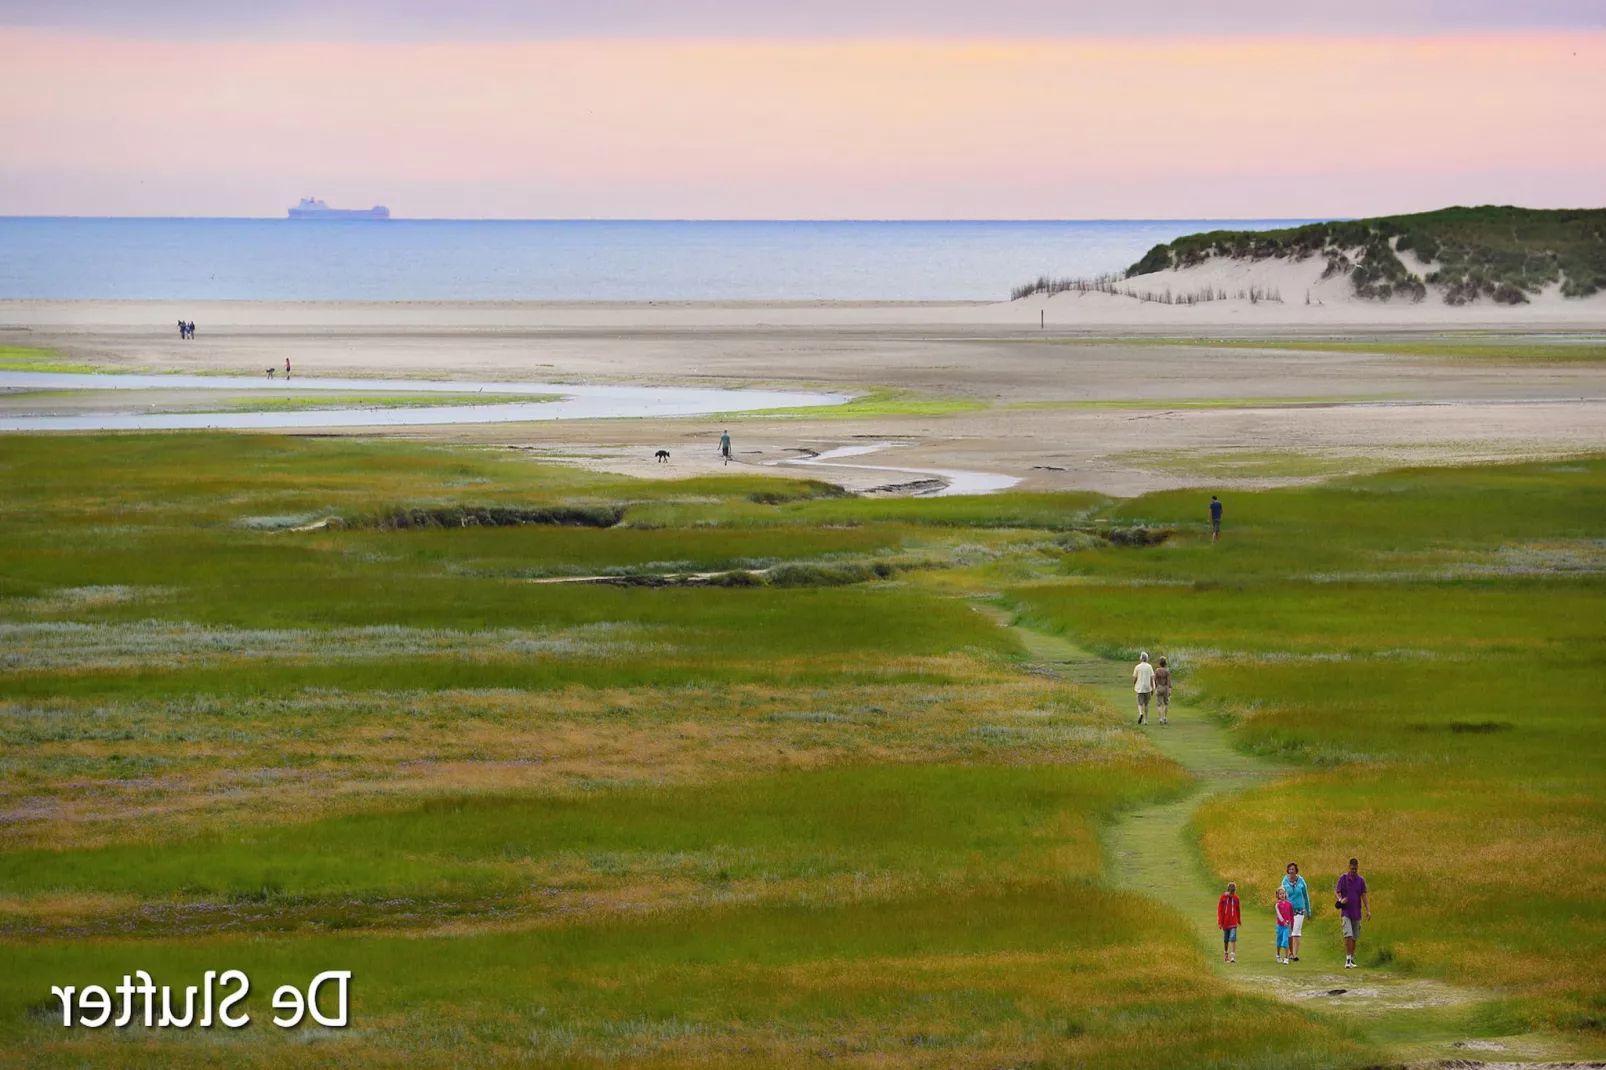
(1299, 896)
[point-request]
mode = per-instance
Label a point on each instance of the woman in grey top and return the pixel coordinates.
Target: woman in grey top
(1162, 691)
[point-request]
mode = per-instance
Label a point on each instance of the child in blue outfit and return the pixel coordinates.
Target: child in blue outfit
(1285, 926)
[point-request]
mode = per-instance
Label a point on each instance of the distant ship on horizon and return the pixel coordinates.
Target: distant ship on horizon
(313, 208)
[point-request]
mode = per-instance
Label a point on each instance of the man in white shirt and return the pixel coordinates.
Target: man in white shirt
(1143, 684)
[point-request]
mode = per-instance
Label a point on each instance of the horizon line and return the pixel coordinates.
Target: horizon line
(679, 219)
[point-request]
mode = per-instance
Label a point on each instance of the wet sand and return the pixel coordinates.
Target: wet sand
(1289, 415)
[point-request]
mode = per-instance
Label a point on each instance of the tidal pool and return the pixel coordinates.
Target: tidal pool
(956, 480)
(581, 401)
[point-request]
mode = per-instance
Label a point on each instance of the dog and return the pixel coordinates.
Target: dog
(662, 456)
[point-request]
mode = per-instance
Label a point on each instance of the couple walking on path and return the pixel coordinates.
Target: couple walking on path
(1293, 907)
(1152, 682)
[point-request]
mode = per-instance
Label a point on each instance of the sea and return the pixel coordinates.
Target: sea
(564, 260)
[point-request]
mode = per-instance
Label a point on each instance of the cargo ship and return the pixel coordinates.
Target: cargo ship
(313, 208)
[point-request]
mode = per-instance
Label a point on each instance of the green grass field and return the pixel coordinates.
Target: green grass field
(820, 821)
(31, 359)
(1426, 643)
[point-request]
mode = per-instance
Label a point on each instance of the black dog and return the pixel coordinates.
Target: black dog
(662, 456)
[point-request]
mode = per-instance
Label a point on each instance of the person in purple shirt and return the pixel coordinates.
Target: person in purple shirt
(1352, 902)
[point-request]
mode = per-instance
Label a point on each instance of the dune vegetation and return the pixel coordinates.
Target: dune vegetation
(838, 815)
(1500, 253)
(1496, 253)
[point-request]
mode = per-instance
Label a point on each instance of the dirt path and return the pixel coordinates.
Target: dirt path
(1152, 850)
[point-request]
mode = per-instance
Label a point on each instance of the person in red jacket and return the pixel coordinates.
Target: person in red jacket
(1228, 914)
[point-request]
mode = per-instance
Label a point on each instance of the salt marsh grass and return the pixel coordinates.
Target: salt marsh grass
(147, 645)
(768, 824)
(1445, 696)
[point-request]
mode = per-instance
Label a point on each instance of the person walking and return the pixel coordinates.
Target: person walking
(1143, 684)
(1229, 913)
(725, 446)
(1352, 902)
(1215, 518)
(1285, 926)
(1162, 691)
(1298, 897)
(287, 367)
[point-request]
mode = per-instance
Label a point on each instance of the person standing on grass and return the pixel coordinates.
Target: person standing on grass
(1229, 912)
(725, 446)
(1299, 897)
(1285, 927)
(1215, 518)
(1352, 901)
(1143, 684)
(1162, 691)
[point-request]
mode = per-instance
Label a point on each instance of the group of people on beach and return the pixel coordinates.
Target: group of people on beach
(1293, 907)
(186, 329)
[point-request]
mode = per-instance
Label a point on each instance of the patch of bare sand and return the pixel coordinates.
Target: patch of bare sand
(1041, 389)
(1117, 452)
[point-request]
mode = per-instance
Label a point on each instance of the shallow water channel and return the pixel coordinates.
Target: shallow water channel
(957, 480)
(575, 402)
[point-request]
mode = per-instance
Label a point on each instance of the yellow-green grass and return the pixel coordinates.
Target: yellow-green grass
(709, 825)
(876, 830)
(564, 823)
(1382, 630)
(1055, 973)
(33, 359)
(177, 763)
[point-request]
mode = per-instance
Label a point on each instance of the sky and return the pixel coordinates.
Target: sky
(1010, 109)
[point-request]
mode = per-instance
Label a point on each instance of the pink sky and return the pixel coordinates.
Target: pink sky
(781, 128)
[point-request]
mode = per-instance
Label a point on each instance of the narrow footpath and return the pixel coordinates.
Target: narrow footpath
(1154, 851)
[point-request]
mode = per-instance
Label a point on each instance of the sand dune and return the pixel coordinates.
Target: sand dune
(1294, 292)
(1331, 302)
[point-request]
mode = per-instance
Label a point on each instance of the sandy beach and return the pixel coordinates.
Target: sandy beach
(1115, 405)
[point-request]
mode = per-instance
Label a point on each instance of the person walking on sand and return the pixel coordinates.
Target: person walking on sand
(1229, 912)
(1215, 518)
(287, 367)
(1352, 901)
(1285, 926)
(1162, 691)
(1143, 684)
(725, 446)
(1299, 897)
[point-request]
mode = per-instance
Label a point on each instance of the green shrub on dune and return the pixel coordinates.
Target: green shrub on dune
(1500, 253)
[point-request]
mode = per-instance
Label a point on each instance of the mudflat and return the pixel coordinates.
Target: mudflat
(1157, 401)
